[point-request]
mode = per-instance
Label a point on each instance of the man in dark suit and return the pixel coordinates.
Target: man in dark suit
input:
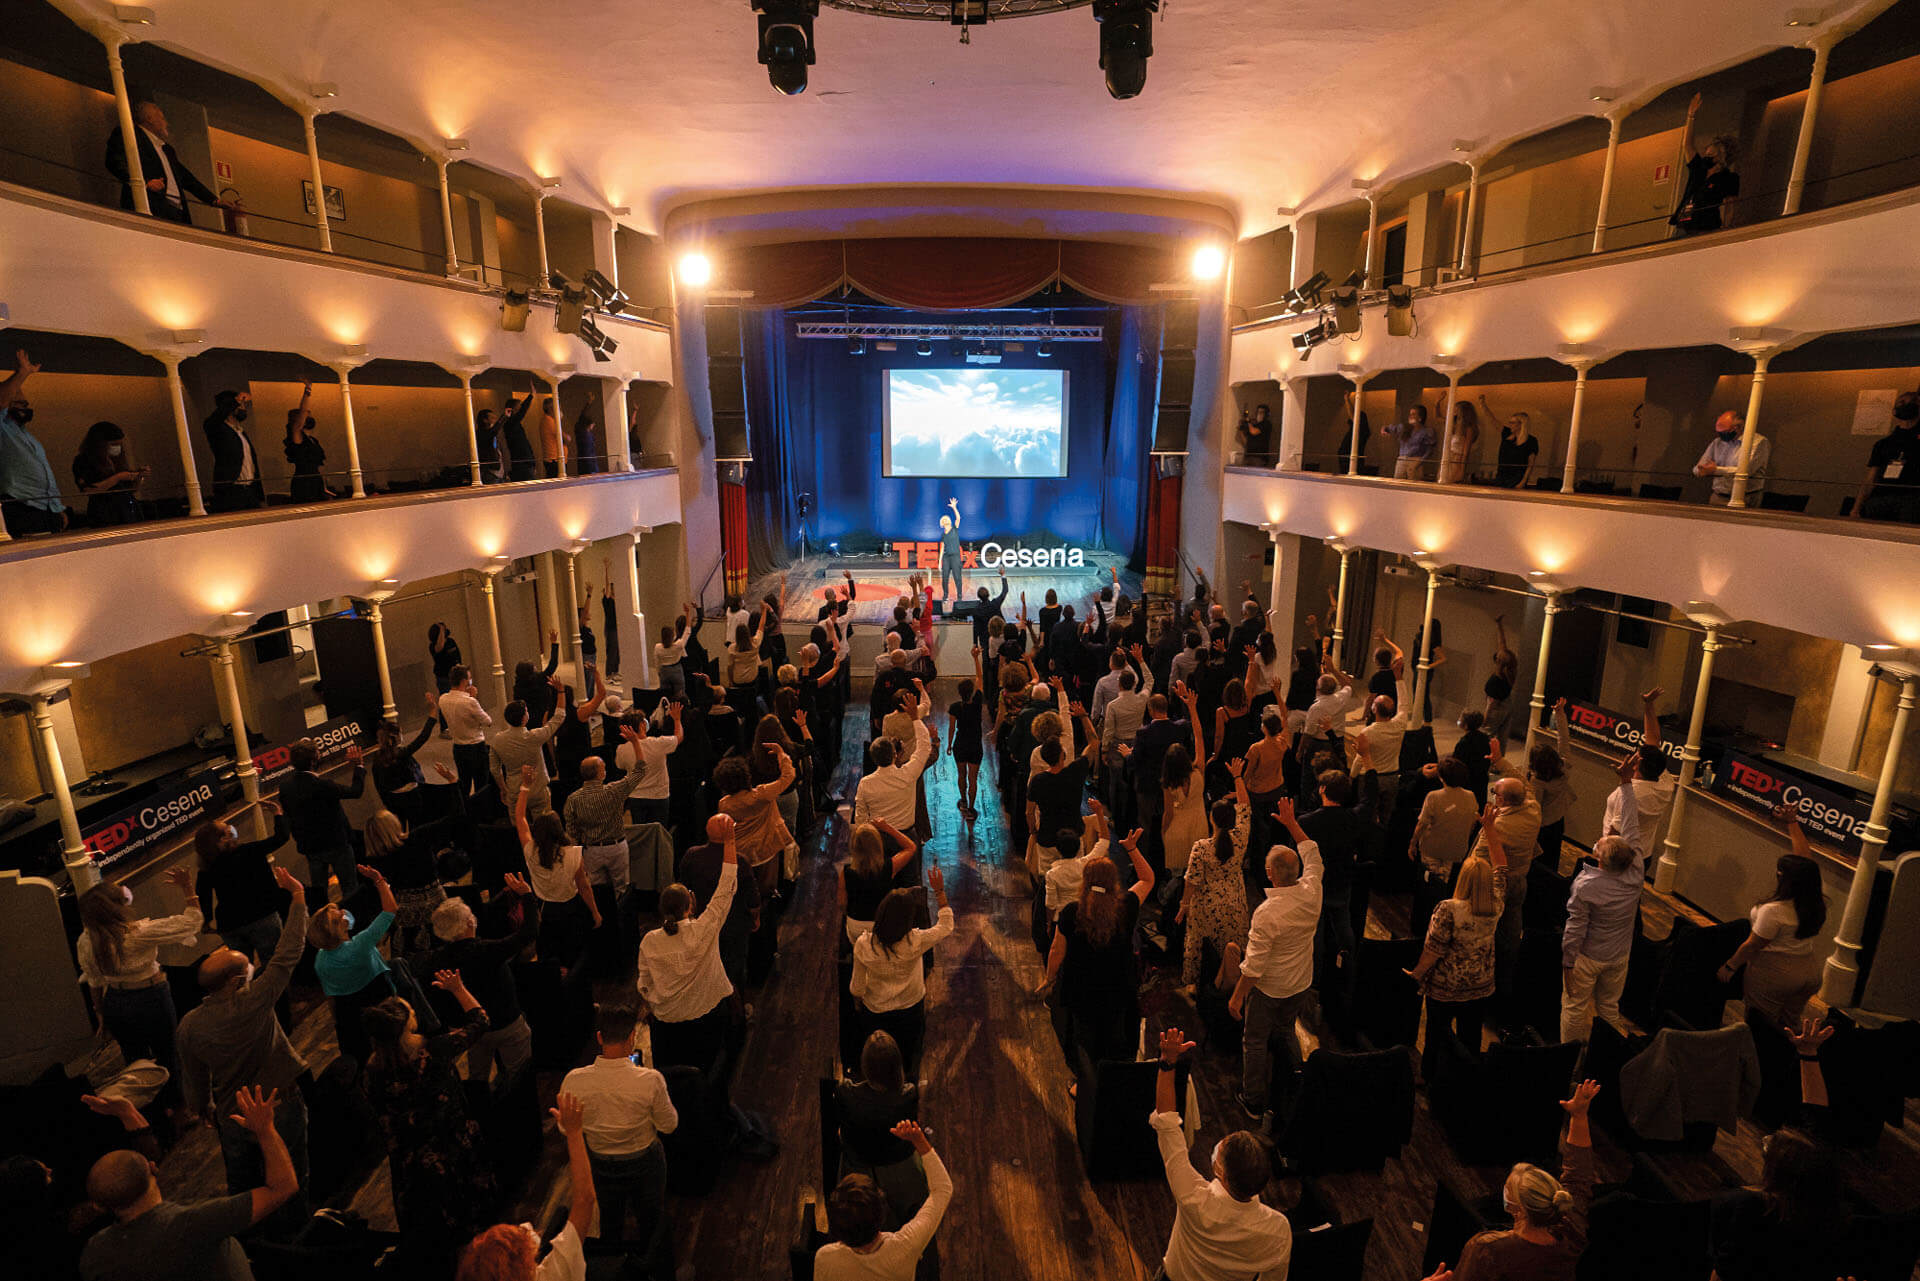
(318, 821)
(169, 181)
(236, 467)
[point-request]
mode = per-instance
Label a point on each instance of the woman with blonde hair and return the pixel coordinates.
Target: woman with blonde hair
(119, 961)
(869, 873)
(1549, 1231)
(1463, 437)
(1455, 970)
(406, 854)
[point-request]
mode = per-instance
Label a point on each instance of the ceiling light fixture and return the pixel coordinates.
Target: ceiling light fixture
(924, 347)
(134, 15)
(547, 184)
(1209, 261)
(786, 42)
(696, 270)
(453, 146)
(1603, 93)
(1126, 42)
(326, 89)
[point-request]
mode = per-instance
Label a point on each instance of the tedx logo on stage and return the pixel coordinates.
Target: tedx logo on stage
(992, 556)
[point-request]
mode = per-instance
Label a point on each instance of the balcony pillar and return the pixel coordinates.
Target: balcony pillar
(446, 218)
(1471, 207)
(1606, 179)
(1358, 378)
(473, 433)
(613, 402)
(572, 628)
(1841, 981)
(1292, 443)
(307, 117)
(1809, 114)
(228, 689)
(1743, 471)
(1538, 703)
(79, 863)
(182, 431)
(1417, 714)
(388, 711)
(1284, 591)
(1669, 867)
(553, 383)
(344, 369)
(1340, 602)
(493, 634)
(540, 238)
(123, 107)
(1373, 233)
(1570, 474)
(636, 653)
(1446, 430)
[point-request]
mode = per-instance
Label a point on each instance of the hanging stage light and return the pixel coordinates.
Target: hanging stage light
(786, 41)
(856, 346)
(1309, 294)
(924, 347)
(515, 306)
(1346, 306)
(1400, 311)
(1126, 42)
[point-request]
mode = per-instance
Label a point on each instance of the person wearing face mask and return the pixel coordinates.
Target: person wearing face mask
(29, 494)
(1549, 1230)
(236, 467)
(305, 452)
(1722, 459)
(107, 476)
(1711, 181)
(1258, 431)
(1891, 488)
(1416, 444)
(232, 1040)
(118, 954)
(169, 181)
(508, 1252)
(236, 885)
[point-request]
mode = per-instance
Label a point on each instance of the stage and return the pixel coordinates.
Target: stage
(879, 582)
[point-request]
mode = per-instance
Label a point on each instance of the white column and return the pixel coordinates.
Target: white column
(1539, 700)
(1606, 180)
(1446, 430)
(307, 118)
(1743, 471)
(1809, 114)
(1842, 979)
(346, 421)
(1293, 424)
(1466, 214)
(228, 689)
(79, 864)
(446, 218)
(1669, 868)
(473, 432)
(549, 589)
(614, 410)
(1285, 589)
(123, 106)
(1340, 607)
(387, 709)
(572, 628)
(1580, 367)
(607, 255)
(540, 235)
(1416, 715)
(499, 653)
(553, 382)
(636, 653)
(183, 432)
(1373, 234)
(1353, 434)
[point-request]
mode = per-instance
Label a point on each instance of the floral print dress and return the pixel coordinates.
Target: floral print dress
(1216, 898)
(443, 1187)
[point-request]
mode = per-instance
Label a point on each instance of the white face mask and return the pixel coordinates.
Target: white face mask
(114, 450)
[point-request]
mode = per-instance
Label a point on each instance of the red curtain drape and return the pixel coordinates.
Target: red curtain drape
(1163, 530)
(949, 274)
(733, 535)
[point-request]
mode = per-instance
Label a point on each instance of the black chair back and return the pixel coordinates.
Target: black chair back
(1458, 1217)
(1354, 1111)
(1110, 1118)
(1386, 1001)
(1334, 1253)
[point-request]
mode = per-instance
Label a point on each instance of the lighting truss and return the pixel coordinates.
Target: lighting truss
(843, 330)
(954, 11)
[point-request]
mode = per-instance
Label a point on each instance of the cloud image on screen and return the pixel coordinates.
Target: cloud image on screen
(977, 422)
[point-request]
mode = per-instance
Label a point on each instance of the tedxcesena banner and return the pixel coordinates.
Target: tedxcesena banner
(163, 816)
(1828, 816)
(1616, 733)
(991, 555)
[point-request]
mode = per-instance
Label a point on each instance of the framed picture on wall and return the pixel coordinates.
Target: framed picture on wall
(336, 201)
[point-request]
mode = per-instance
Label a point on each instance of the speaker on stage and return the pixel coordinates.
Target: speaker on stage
(727, 380)
(1173, 396)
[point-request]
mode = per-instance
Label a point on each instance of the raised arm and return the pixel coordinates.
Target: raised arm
(282, 1180)
(1142, 872)
(1686, 130)
(1650, 719)
(570, 1114)
(520, 827)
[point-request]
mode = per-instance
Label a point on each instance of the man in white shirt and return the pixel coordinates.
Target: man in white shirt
(625, 1110)
(1276, 974)
(890, 791)
(1654, 792)
(1376, 752)
(858, 1208)
(1333, 700)
(466, 723)
(1721, 460)
(1222, 1231)
(1064, 864)
(649, 800)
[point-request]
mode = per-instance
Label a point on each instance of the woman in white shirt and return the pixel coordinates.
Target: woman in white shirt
(667, 653)
(119, 961)
(889, 979)
(1782, 954)
(680, 972)
(740, 665)
(557, 872)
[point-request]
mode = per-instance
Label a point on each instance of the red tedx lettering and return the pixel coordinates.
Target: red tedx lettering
(926, 555)
(1588, 717)
(904, 550)
(1747, 776)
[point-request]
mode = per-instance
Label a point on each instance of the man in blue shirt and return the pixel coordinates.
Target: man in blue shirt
(29, 494)
(1722, 460)
(1416, 444)
(1601, 910)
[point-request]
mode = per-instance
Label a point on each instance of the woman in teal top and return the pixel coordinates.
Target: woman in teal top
(349, 966)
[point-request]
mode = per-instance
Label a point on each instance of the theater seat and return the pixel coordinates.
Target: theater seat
(1770, 501)
(1386, 1002)
(1458, 1217)
(1537, 983)
(1503, 1106)
(1110, 1114)
(1688, 993)
(511, 1125)
(1353, 1112)
(559, 1011)
(1336, 1252)
(1647, 1239)
(343, 1134)
(697, 1148)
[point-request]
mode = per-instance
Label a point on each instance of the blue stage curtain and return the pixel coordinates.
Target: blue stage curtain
(1124, 480)
(773, 515)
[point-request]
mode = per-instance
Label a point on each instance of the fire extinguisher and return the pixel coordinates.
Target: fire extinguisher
(233, 214)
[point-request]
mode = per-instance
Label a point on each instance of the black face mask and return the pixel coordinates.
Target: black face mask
(1906, 414)
(239, 414)
(22, 414)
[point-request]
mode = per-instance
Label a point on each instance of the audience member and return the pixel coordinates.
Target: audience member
(1549, 1215)
(1222, 1231)
(466, 723)
(1721, 460)
(397, 777)
(889, 980)
(1519, 448)
(596, 817)
(513, 434)
(108, 476)
(153, 1239)
(1257, 434)
(1602, 908)
(1547, 780)
(507, 1252)
(1781, 955)
(1456, 449)
(1376, 757)
(553, 445)
(169, 181)
(318, 821)
(1711, 181)
(485, 966)
(1213, 901)
(871, 1099)
(966, 728)
(625, 1108)
(680, 971)
(1654, 788)
(869, 873)
(307, 454)
(557, 872)
(1346, 452)
(1793, 1224)
(519, 748)
(408, 856)
(236, 466)
(118, 956)
(1891, 488)
(1416, 441)
(236, 884)
(856, 1214)
(700, 874)
(349, 966)
(1346, 838)
(1091, 968)
(29, 494)
(1456, 966)
(1276, 973)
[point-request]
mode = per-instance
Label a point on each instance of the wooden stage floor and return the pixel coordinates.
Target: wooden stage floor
(996, 1100)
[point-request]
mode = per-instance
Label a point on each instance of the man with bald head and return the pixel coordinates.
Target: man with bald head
(699, 871)
(1722, 460)
(1276, 976)
(168, 181)
(232, 1040)
(154, 1239)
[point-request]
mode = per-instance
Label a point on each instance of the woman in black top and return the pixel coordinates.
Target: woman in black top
(305, 452)
(1711, 181)
(106, 475)
(407, 855)
(1789, 1227)
(1096, 999)
(870, 872)
(396, 774)
(869, 1107)
(966, 728)
(236, 887)
(444, 650)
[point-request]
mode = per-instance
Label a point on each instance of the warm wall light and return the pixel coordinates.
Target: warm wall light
(134, 15)
(326, 89)
(1208, 262)
(696, 270)
(1706, 613)
(621, 211)
(548, 184)
(453, 146)
(1542, 581)
(180, 337)
(1603, 93)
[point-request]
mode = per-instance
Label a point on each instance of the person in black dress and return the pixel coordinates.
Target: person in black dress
(107, 475)
(444, 650)
(304, 451)
(869, 1106)
(513, 435)
(236, 886)
(1259, 437)
(965, 736)
(1711, 181)
(1090, 967)
(1519, 448)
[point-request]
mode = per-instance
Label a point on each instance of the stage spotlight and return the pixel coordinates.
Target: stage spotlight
(1208, 262)
(696, 270)
(1307, 339)
(1346, 310)
(598, 343)
(1400, 310)
(786, 41)
(856, 346)
(571, 312)
(924, 347)
(1044, 350)
(1126, 42)
(1308, 295)
(833, 547)
(515, 306)
(606, 294)
(957, 349)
